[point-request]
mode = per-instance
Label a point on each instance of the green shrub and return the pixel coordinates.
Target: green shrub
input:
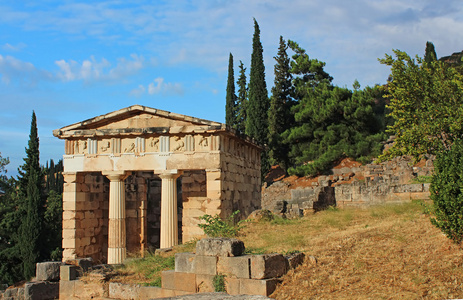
(219, 283)
(447, 192)
(216, 227)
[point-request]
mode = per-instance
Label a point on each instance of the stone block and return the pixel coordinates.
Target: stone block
(39, 290)
(123, 291)
(68, 272)
(89, 290)
(204, 283)
(232, 285)
(267, 266)
(185, 262)
(69, 243)
(66, 290)
(185, 282)
(220, 247)
(167, 279)
(237, 266)
(48, 271)
(205, 265)
(152, 292)
(294, 260)
(258, 287)
(84, 263)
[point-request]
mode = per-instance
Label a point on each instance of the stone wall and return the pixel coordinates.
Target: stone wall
(349, 185)
(85, 216)
(194, 273)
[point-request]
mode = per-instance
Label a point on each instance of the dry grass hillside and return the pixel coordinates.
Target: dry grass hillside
(388, 252)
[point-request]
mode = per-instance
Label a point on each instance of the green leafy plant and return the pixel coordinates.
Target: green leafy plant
(216, 227)
(219, 283)
(447, 192)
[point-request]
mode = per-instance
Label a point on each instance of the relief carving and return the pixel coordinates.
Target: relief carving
(80, 147)
(130, 149)
(179, 144)
(203, 142)
(154, 144)
(106, 145)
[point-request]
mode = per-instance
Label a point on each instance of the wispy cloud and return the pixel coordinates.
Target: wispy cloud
(21, 72)
(13, 48)
(92, 69)
(158, 86)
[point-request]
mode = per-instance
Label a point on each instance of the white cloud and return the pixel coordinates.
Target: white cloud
(92, 69)
(158, 86)
(25, 73)
(13, 48)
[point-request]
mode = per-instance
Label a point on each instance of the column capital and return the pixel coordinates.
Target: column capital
(166, 174)
(116, 175)
(70, 177)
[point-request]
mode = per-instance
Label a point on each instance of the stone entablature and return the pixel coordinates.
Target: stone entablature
(132, 141)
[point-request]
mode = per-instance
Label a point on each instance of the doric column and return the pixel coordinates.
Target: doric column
(169, 222)
(116, 231)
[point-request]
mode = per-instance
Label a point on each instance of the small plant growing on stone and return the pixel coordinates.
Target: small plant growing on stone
(216, 227)
(219, 283)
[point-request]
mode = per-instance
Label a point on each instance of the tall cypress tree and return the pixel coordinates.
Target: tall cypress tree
(279, 117)
(230, 105)
(258, 105)
(430, 53)
(242, 100)
(31, 188)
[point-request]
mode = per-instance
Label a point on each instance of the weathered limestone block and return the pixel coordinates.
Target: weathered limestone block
(220, 247)
(68, 272)
(205, 265)
(204, 283)
(41, 290)
(48, 271)
(258, 287)
(267, 266)
(237, 266)
(123, 291)
(294, 260)
(152, 292)
(178, 281)
(185, 262)
(13, 293)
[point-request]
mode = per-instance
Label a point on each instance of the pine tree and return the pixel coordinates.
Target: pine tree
(230, 106)
(242, 100)
(31, 189)
(430, 53)
(258, 104)
(280, 118)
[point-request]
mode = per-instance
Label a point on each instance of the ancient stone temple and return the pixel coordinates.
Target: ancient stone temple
(140, 178)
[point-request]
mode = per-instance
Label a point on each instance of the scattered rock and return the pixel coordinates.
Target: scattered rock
(261, 214)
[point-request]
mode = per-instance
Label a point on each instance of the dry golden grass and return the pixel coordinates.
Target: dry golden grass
(388, 252)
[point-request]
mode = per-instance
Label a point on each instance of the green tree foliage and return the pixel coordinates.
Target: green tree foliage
(426, 103)
(280, 118)
(447, 192)
(242, 100)
(331, 122)
(430, 53)
(258, 104)
(230, 109)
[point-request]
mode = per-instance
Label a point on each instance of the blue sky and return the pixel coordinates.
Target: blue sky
(73, 60)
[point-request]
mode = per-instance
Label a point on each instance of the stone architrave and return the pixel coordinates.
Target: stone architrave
(169, 220)
(116, 230)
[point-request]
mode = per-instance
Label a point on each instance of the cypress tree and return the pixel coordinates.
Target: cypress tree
(31, 189)
(430, 53)
(258, 104)
(241, 102)
(230, 105)
(280, 118)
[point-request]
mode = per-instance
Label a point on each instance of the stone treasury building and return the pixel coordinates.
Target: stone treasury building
(140, 178)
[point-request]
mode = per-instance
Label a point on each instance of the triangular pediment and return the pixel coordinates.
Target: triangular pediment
(136, 119)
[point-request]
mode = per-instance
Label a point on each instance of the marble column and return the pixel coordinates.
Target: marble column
(116, 230)
(169, 220)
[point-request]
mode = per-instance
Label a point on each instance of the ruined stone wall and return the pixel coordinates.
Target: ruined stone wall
(350, 186)
(195, 203)
(85, 216)
(241, 178)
